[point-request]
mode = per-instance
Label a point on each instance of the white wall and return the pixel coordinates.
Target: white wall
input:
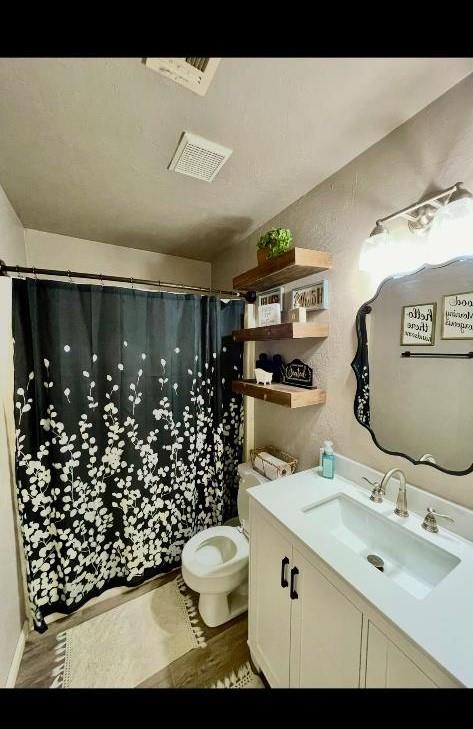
(49, 250)
(432, 150)
(12, 247)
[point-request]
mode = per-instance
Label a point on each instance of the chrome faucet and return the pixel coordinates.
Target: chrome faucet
(379, 490)
(427, 457)
(401, 502)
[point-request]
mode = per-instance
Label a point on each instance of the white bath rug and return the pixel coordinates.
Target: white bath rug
(126, 645)
(244, 678)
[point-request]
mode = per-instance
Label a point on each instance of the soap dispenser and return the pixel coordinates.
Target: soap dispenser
(328, 460)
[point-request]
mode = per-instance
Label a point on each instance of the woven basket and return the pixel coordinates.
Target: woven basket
(287, 470)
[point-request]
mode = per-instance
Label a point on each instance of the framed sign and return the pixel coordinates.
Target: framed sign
(418, 325)
(457, 316)
(298, 373)
(273, 296)
(269, 314)
(311, 297)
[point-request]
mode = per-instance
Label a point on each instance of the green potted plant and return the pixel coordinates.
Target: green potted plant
(273, 243)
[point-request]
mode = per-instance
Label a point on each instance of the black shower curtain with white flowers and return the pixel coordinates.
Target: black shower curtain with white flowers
(128, 435)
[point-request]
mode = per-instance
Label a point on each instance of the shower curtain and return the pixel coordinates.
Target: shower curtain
(128, 436)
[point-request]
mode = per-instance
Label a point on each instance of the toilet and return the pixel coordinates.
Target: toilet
(215, 561)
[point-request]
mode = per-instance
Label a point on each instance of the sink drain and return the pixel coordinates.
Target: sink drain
(376, 561)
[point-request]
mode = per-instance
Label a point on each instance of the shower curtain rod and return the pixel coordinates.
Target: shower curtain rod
(5, 270)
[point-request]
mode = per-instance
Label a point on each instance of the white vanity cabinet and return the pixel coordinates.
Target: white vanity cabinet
(309, 629)
(325, 632)
(270, 559)
(303, 632)
(388, 667)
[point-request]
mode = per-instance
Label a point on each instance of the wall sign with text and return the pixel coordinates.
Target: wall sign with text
(457, 320)
(298, 373)
(273, 296)
(269, 314)
(418, 324)
(310, 297)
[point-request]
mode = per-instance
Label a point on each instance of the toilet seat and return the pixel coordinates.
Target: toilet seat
(215, 552)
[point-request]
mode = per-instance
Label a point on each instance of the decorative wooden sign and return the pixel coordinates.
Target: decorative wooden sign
(298, 373)
(457, 317)
(418, 325)
(311, 297)
(272, 296)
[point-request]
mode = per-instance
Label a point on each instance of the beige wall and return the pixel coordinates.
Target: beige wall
(432, 150)
(12, 247)
(49, 250)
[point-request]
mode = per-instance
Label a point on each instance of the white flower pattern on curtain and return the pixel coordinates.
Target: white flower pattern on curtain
(105, 499)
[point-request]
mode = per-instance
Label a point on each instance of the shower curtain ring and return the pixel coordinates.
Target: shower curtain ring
(131, 281)
(34, 273)
(101, 279)
(69, 275)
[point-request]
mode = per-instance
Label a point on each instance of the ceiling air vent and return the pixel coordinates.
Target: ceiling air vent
(193, 73)
(199, 157)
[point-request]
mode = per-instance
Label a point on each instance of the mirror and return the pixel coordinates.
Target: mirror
(414, 366)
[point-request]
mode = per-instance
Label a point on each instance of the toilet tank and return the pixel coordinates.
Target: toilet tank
(248, 478)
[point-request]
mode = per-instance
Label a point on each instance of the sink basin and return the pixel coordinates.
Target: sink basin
(412, 562)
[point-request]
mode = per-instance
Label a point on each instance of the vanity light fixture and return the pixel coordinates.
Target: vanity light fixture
(442, 223)
(453, 226)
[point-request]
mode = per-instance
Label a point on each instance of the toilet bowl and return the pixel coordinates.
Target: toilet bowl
(215, 560)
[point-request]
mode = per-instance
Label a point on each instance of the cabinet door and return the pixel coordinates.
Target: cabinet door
(388, 667)
(269, 603)
(325, 633)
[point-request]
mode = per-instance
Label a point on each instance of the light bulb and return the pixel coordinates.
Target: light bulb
(387, 253)
(370, 251)
(451, 234)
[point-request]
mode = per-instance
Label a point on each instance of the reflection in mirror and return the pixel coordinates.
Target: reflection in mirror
(414, 366)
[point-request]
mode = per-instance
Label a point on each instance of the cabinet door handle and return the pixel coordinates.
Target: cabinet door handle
(284, 563)
(293, 593)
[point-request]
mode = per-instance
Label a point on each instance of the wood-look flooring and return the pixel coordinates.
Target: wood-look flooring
(225, 652)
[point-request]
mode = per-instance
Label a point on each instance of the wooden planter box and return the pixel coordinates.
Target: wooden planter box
(262, 254)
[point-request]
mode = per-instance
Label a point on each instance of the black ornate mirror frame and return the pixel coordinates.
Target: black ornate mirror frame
(360, 366)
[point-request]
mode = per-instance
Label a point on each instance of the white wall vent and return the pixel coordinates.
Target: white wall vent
(193, 73)
(199, 157)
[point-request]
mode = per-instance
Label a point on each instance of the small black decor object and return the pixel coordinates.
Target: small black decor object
(264, 363)
(298, 373)
(278, 365)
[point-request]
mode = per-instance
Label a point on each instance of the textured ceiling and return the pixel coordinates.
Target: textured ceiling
(85, 143)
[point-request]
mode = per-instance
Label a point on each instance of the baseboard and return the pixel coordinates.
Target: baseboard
(15, 666)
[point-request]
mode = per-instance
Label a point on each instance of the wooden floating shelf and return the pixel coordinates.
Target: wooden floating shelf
(287, 395)
(291, 330)
(295, 263)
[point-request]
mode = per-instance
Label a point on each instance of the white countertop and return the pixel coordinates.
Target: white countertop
(441, 624)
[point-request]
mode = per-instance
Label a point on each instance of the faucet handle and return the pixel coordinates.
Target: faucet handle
(376, 494)
(430, 520)
(371, 483)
